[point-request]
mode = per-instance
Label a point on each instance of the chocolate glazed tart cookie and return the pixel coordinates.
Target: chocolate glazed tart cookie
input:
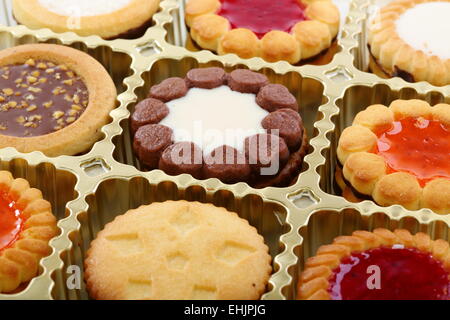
(290, 30)
(105, 18)
(399, 155)
(53, 99)
(236, 127)
(378, 265)
(408, 39)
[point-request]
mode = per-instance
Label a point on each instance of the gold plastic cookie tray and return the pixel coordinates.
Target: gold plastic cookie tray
(89, 190)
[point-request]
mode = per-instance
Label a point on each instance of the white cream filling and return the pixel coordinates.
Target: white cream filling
(426, 27)
(215, 117)
(83, 8)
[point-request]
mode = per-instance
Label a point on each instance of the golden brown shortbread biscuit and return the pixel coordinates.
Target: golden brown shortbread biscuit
(178, 250)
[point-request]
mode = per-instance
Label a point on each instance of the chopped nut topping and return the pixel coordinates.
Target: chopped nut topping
(20, 119)
(8, 91)
(26, 95)
(58, 114)
(35, 117)
(29, 97)
(57, 91)
(30, 62)
(70, 119)
(12, 104)
(30, 124)
(48, 104)
(32, 108)
(34, 89)
(73, 112)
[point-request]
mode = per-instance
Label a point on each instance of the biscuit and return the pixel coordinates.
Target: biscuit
(398, 154)
(26, 227)
(417, 254)
(177, 250)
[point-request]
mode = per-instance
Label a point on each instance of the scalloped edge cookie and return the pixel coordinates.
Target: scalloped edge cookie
(307, 38)
(394, 57)
(367, 172)
(314, 280)
(19, 262)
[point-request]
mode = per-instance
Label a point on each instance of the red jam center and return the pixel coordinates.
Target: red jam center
(418, 146)
(404, 274)
(10, 221)
(262, 16)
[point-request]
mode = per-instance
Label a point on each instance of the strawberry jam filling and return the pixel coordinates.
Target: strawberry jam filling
(387, 273)
(11, 222)
(263, 16)
(417, 146)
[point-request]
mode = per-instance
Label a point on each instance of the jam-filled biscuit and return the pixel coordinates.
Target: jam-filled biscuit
(399, 155)
(378, 265)
(26, 227)
(236, 127)
(53, 99)
(178, 250)
(105, 18)
(290, 30)
(406, 40)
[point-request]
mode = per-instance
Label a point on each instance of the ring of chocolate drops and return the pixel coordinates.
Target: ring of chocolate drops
(282, 140)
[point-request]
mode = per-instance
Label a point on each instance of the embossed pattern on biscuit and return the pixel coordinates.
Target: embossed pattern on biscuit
(187, 250)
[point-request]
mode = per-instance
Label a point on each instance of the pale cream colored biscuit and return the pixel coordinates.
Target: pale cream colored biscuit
(178, 250)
